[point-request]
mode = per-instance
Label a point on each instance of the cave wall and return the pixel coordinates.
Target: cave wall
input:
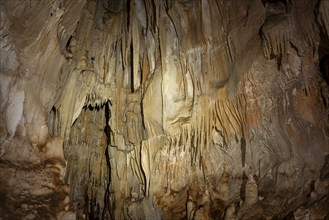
(164, 109)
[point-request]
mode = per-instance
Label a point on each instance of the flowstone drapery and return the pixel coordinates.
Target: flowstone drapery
(174, 109)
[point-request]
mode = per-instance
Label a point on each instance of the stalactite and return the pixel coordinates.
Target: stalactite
(163, 97)
(276, 34)
(323, 15)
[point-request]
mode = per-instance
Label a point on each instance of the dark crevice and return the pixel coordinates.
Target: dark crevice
(274, 1)
(243, 151)
(52, 121)
(295, 48)
(107, 208)
(107, 128)
(128, 10)
(243, 186)
(67, 46)
(142, 115)
(131, 68)
(324, 68)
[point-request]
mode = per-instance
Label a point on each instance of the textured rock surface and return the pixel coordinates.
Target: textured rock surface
(176, 109)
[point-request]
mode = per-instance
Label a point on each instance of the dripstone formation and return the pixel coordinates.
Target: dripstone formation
(171, 109)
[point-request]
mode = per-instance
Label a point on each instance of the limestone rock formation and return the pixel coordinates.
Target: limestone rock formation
(173, 109)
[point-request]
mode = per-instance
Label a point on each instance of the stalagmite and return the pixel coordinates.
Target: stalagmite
(251, 191)
(230, 212)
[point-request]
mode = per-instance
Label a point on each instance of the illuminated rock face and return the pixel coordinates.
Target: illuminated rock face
(176, 109)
